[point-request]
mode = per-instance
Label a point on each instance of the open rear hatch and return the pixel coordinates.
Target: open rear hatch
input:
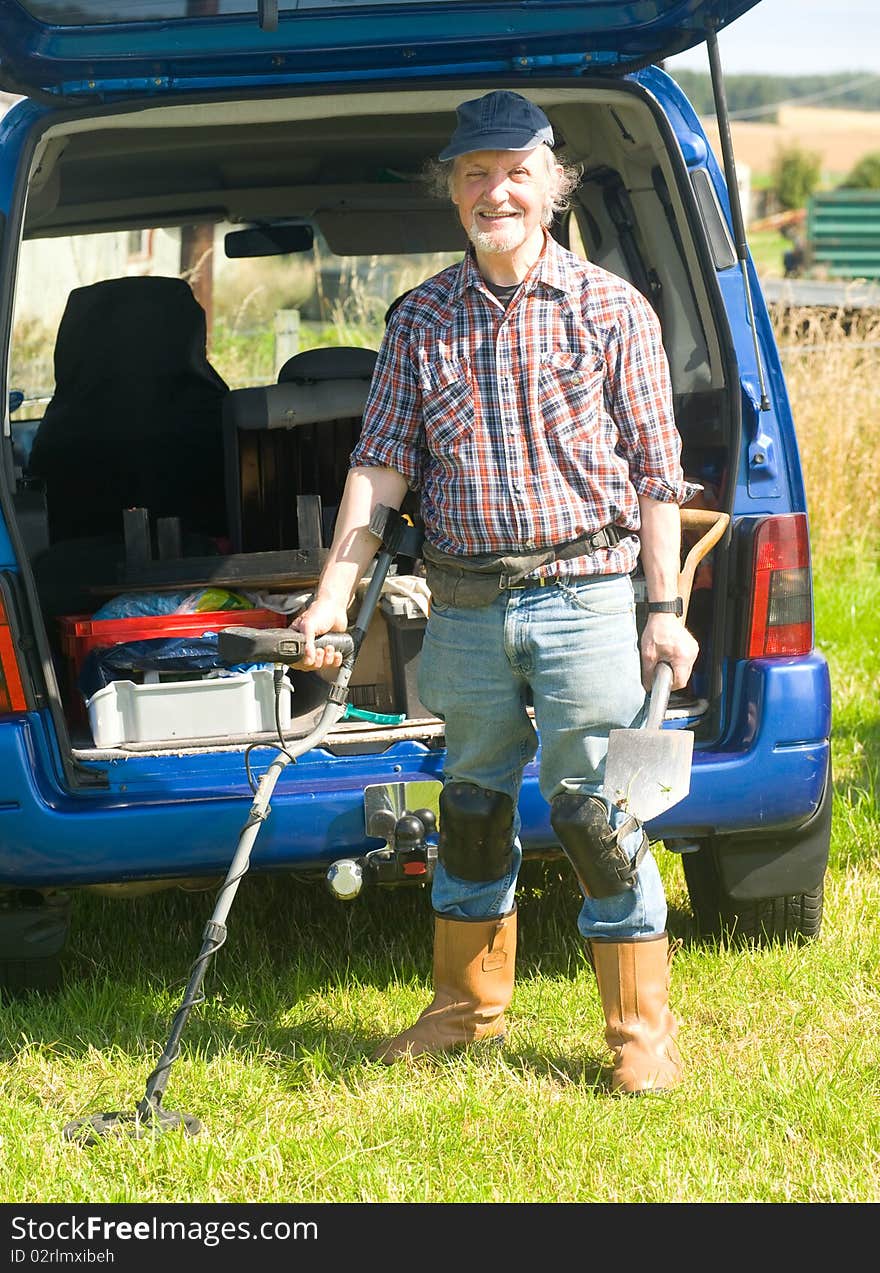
(129, 48)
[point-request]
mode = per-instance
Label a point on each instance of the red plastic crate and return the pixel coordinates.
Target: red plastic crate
(80, 633)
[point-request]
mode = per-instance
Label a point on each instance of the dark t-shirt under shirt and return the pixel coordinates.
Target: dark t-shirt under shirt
(505, 294)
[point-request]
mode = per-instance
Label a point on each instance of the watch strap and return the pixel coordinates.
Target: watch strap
(667, 607)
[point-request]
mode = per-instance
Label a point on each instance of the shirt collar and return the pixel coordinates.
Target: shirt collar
(468, 276)
(555, 268)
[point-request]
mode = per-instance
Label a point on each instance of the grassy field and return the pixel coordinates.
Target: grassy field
(782, 1097)
(768, 249)
(839, 137)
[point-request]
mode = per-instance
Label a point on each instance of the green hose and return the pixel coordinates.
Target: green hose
(378, 718)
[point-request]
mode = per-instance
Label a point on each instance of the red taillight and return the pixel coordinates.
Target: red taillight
(781, 619)
(12, 697)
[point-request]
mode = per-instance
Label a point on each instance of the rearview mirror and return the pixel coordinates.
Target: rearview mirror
(268, 240)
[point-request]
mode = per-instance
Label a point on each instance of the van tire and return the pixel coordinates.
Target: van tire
(34, 928)
(28, 976)
(762, 921)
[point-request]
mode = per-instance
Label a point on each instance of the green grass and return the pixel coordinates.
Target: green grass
(248, 358)
(848, 592)
(768, 248)
(781, 1101)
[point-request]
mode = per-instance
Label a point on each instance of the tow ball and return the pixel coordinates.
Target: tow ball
(408, 856)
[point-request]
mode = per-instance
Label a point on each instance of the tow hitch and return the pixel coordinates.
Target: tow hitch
(405, 815)
(408, 856)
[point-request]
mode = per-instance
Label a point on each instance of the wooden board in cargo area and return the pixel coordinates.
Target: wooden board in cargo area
(291, 570)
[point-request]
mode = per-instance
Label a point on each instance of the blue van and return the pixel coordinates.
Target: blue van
(143, 493)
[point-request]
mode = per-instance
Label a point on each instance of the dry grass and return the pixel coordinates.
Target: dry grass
(832, 367)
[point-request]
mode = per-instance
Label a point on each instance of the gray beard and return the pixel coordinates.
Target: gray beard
(485, 240)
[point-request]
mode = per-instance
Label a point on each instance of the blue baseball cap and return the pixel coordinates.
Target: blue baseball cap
(499, 121)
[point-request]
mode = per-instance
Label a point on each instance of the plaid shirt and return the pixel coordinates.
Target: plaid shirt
(527, 427)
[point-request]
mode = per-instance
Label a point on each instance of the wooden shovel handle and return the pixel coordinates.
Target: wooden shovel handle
(659, 699)
(713, 524)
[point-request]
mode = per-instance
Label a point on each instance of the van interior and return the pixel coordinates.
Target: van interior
(163, 441)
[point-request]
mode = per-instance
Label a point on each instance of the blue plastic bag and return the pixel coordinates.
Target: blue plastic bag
(133, 605)
(157, 654)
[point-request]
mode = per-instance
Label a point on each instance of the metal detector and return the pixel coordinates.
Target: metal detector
(281, 646)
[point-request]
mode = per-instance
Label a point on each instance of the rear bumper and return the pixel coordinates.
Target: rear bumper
(162, 817)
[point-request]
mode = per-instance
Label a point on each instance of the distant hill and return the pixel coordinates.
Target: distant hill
(756, 96)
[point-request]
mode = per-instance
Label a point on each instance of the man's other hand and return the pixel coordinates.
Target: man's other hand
(666, 640)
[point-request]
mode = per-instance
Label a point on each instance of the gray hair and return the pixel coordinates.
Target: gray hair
(439, 174)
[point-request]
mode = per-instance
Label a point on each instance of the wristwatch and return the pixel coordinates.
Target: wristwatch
(667, 607)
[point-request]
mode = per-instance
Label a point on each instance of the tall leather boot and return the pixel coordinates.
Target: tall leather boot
(640, 1030)
(473, 983)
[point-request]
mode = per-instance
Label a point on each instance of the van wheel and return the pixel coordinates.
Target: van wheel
(758, 921)
(34, 928)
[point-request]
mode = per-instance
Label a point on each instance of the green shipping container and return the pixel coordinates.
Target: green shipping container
(843, 231)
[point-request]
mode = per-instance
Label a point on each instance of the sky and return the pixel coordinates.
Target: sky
(792, 37)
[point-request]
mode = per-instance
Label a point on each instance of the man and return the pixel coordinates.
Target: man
(525, 394)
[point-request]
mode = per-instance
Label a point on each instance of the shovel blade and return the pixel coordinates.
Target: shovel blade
(647, 771)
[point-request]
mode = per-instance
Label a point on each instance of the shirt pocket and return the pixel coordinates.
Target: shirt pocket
(571, 391)
(447, 403)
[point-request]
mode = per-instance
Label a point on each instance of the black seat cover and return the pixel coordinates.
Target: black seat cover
(330, 362)
(136, 418)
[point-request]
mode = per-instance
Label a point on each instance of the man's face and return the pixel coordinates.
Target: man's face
(501, 195)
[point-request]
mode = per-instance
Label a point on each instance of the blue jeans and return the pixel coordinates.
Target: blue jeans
(574, 644)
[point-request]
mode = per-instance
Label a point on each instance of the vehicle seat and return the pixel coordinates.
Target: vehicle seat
(293, 439)
(136, 417)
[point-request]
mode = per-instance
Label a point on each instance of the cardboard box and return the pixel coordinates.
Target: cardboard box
(405, 625)
(371, 685)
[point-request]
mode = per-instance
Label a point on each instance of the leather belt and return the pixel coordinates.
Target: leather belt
(518, 585)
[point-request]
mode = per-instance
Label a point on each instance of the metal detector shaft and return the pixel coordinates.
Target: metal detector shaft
(386, 524)
(215, 930)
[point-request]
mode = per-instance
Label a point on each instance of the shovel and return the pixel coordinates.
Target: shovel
(648, 770)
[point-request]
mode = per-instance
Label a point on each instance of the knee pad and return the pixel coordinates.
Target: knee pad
(476, 832)
(593, 846)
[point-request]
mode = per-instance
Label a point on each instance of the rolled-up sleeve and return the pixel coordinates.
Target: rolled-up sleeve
(392, 434)
(641, 403)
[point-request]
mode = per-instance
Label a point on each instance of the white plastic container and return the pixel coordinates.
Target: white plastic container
(243, 703)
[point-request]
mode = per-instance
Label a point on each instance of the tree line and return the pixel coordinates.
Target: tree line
(747, 93)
